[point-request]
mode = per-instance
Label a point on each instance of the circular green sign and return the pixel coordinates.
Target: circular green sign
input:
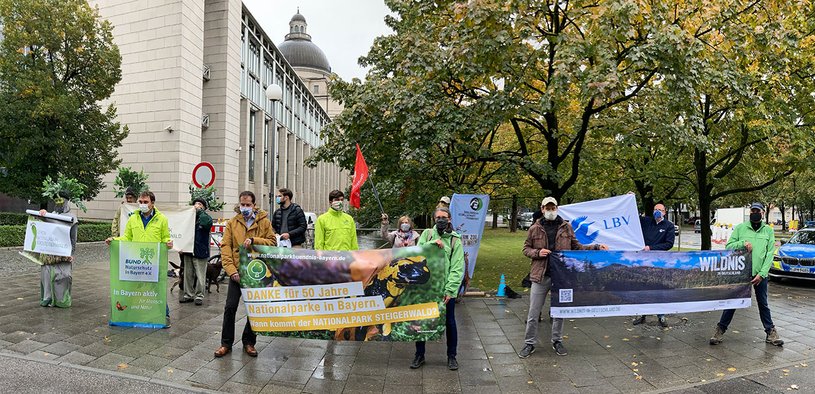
(256, 269)
(476, 204)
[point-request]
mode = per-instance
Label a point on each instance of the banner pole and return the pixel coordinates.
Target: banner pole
(376, 194)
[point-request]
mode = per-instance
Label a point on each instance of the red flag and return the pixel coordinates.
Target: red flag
(360, 176)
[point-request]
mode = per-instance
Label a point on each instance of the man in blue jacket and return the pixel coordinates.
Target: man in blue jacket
(658, 233)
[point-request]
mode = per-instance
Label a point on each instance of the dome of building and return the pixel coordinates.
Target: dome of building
(298, 49)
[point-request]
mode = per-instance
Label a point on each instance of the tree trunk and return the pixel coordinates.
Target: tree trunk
(703, 190)
(513, 223)
(784, 217)
(494, 219)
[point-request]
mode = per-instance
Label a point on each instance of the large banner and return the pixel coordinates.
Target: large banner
(48, 235)
(366, 295)
(181, 220)
(469, 212)
(138, 284)
(612, 283)
(613, 221)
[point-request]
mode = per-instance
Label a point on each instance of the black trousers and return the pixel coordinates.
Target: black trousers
(233, 298)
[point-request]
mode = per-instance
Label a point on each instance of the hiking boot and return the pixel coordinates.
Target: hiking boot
(638, 321)
(452, 364)
(199, 301)
(773, 338)
(526, 351)
(559, 348)
(418, 361)
(663, 322)
(717, 336)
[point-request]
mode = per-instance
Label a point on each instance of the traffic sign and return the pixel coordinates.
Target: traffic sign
(203, 175)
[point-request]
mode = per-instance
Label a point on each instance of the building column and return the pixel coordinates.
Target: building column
(257, 185)
(291, 160)
(243, 145)
(282, 158)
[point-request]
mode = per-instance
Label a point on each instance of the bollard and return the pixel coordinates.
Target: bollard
(502, 287)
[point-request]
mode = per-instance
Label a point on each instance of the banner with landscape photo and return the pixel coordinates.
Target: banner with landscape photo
(618, 283)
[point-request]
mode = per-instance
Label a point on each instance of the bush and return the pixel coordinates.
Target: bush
(90, 232)
(12, 235)
(13, 218)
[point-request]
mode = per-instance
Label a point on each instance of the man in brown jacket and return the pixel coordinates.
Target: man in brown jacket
(249, 227)
(549, 234)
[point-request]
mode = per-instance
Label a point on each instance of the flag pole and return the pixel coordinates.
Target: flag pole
(376, 194)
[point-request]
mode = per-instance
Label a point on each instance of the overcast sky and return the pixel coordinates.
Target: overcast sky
(344, 30)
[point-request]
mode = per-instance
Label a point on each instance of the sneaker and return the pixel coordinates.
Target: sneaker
(418, 361)
(452, 364)
(638, 321)
(663, 322)
(199, 301)
(184, 300)
(559, 348)
(526, 351)
(717, 336)
(773, 338)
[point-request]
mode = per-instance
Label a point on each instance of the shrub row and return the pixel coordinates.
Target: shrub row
(13, 218)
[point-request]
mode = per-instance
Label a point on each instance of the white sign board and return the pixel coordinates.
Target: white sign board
(48, 237)
(181, 220)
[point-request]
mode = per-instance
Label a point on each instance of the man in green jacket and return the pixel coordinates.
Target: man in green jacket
(758, 238)
(335, 229)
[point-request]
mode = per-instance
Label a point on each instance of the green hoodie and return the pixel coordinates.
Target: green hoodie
(453, 258)
(763, 242)
(157, 229)
(335, 230)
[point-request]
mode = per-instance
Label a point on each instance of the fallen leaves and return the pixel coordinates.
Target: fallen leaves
(122, 366)
(719, 374)
(794, 386)
(731, 369)
(626, 339)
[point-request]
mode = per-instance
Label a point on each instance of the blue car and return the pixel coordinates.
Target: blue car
(796, 258)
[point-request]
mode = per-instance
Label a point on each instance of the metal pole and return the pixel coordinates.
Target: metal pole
(273, 157)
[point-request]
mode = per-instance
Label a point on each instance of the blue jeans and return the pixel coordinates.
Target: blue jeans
(763, 309)
(450, 330)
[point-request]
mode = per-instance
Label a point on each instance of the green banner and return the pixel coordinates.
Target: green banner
(138, 284)
(365, 295)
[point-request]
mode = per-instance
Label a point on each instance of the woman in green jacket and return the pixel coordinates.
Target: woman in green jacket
(444, 236)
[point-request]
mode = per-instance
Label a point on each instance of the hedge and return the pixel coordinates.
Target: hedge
(14, 235)
(13, 218)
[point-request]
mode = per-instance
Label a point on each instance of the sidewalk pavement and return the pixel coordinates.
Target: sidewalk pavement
(606, 355)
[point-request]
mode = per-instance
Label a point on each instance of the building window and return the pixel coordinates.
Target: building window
(251, 132)
(316, 89)
(266, 150)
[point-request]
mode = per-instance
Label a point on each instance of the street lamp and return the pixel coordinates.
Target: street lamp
(274, 93)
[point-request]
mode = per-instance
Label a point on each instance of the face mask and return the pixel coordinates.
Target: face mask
(336, 205)
(657, 215)
(550, 215)
(246, 212)
(755, 217)
(441, 224)
(144, 208)
(405, 227)
(277, 200)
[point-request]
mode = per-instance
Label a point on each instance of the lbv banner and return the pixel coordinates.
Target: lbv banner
(365, 295)
(613, 221)
(614, 283)
(468, 214)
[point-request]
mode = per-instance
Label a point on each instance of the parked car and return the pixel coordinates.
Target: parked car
(525, 220)
(692, 219)
(697, 226)
(796, 258)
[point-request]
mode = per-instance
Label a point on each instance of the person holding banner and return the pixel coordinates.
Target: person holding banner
(759, 239)
(658, 234)
(130, 198)
(548, 235)
(404, 234)
(149, 225)
(444, 236)
(251, 226)
(335, 229)
(56, 277)
(195, 263)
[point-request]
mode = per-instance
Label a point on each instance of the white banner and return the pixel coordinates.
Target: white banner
(139, 261)
(612, 221)
(469, 212)
(49, 237)
(180, 218)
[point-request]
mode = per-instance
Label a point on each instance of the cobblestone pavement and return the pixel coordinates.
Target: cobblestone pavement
(606, 355)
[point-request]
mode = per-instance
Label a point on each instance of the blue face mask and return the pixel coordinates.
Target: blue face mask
(657, 215)
(277, 200)
(246, 212)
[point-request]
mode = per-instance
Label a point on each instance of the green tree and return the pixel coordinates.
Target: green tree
(209, 194)
(57, 63)
(127, 178)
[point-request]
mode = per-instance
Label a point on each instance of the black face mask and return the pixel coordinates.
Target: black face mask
(441, 225)
(755, 217)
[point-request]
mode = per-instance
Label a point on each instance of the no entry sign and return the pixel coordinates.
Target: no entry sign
(203, 175)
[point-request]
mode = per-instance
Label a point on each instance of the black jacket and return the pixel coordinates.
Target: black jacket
(203, 224)
(296, 223)
(657, 236)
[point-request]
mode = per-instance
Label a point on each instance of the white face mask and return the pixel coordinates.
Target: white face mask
(405, 227)
(144, 208)
(336, 205)
(550, 215)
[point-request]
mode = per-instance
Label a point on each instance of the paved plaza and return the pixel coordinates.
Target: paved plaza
(39, 347)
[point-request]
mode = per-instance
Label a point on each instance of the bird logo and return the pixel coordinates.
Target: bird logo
(581, 230)
(120, 306)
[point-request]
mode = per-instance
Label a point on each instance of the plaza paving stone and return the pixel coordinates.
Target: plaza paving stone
(605, 355)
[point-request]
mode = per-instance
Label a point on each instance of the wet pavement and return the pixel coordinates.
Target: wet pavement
(606, 355)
